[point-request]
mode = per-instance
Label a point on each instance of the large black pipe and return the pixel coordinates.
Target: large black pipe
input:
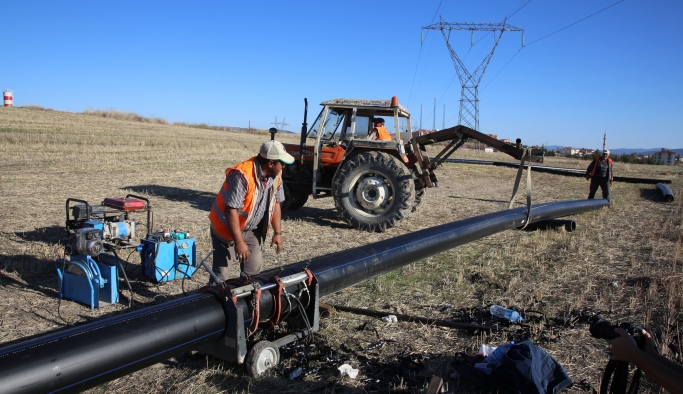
(85, 356)
(667, 195)
(349, 267)
(557, 170)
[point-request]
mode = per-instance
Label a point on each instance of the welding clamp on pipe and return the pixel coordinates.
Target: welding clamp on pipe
(250, 305)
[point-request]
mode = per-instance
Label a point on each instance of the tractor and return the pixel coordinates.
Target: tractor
(375, 184)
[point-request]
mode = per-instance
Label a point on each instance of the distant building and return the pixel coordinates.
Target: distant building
(507, 141)
(666, 157)
(421, 132)
(488, 149)
(493, 135)
(568, 151)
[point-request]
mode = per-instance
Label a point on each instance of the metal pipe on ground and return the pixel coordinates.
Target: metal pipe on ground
(667, 195)
(86, 356)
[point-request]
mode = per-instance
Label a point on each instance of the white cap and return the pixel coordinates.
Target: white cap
(274, 150)
(606, 151)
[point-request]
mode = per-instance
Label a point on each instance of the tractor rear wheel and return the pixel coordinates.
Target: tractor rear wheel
(374, 191)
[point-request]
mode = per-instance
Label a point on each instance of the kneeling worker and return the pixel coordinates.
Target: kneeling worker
(247, 203)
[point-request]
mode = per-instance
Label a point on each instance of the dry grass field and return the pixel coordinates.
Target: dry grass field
(624, 261)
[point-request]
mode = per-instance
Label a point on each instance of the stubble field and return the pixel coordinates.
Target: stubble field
(624, 261)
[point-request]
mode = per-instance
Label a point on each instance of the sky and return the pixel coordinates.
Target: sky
(582, 72)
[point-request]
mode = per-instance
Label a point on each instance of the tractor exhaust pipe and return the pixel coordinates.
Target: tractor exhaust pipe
(82, 357)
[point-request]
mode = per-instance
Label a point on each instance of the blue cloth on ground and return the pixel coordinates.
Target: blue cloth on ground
(525, 368)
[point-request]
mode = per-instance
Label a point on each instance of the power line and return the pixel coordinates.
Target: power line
(524, 5)
(580, 20)
(557, 31)
(420, 54)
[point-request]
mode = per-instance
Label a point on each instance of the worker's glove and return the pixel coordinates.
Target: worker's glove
(588, 178)
(611, 183)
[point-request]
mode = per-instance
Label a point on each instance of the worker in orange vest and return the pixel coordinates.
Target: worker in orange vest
(379, 132)
(599, 172)
(246, 205)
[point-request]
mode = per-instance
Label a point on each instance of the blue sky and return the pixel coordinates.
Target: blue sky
(239, 63)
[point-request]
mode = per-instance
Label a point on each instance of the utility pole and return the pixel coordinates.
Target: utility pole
(434, 122)
(443, 124)
(469, 95)
(420, 116)
(604, 140)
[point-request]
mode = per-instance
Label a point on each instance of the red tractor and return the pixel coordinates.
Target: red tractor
(375, 184)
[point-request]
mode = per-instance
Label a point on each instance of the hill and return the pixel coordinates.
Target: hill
(621, 151)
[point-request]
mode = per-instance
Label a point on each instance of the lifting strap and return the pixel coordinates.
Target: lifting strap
(525, 154)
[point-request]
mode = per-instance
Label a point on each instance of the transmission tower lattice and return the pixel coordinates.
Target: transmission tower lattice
(469, 96)
(280, 125)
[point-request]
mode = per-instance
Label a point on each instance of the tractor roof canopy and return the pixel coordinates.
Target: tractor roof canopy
(380, 107)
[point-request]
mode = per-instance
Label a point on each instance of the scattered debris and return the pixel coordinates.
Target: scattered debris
(390, 319)
(346, 369)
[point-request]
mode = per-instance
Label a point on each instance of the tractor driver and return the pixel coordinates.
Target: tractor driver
(379, 132)
(243, 209)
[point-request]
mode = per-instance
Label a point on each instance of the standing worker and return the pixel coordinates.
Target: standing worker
(379, 132)
(247, 203)
(600, 174)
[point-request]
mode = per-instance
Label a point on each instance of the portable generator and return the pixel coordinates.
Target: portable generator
(89, 275)
(167, 256)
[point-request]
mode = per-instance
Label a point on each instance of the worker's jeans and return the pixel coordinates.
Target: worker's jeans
(603, 183)
(224, 254)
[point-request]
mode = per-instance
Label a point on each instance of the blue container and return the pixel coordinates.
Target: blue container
(168, 259)
(90, 282)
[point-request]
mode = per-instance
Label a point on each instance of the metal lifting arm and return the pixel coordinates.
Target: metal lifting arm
(462, 133)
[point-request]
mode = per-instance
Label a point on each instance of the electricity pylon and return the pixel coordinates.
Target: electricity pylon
(469, 96)
(280, 125)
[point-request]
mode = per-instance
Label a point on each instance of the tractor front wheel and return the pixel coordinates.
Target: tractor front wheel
(374, 191)
(294, 198)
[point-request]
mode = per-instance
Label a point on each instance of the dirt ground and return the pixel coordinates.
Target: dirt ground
(623, 262)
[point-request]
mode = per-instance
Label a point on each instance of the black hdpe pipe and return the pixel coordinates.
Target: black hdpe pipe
(556, 170)
(82, 357)
(667, 195)
(86, 356)
(343, 269)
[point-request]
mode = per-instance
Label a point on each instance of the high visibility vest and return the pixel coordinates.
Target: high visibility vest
(219, 222)
(609, 167)
(382, 134)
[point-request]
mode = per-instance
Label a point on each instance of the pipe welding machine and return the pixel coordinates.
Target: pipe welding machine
(90, 276)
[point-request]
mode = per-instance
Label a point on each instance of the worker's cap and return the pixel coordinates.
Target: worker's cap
(274, 150)
(378, 120)
(605, 152)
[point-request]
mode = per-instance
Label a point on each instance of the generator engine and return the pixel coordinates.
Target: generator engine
(85, 241)
(124, 230)
(89, 275)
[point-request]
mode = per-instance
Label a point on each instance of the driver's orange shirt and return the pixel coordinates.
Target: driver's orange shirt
(382, 134)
